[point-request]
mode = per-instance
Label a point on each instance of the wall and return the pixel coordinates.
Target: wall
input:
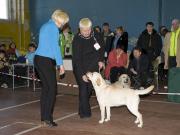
(170, 10)
(132, 16)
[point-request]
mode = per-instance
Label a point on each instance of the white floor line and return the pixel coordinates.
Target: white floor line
(59, 119)
(27, 123)
(9, 125)
(156, 101)
(27, 103)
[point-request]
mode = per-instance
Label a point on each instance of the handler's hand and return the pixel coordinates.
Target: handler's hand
(84, 77)
(61, 70)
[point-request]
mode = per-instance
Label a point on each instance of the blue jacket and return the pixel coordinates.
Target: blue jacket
(49, 42)
(30, 57)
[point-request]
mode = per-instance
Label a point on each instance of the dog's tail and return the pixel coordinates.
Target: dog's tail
(144, 92)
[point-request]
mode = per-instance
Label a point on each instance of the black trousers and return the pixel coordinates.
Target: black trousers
(85, 90)
(115, 72)
(172, 61)
(47, 73)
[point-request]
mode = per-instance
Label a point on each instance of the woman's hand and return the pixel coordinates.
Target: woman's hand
(61, 70)
(84, 77)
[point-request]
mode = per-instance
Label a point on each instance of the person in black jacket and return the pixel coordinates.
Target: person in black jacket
(139, 68)
(108, 38)
(88, 56)
(150, 42)
(120, 39)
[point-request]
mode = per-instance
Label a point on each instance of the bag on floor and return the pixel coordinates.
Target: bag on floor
(174, 84)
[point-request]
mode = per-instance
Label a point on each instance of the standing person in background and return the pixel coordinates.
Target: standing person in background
(162, 73)
(120, 39)
(97, 29)
(172, 46)
(47, 54)
(108, 38)
(66, 38)
(88, 56)
(161, 32)
(150, 42)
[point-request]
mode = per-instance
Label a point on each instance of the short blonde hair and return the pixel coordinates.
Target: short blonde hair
(85, 23)
(120, 28)
(59, 14)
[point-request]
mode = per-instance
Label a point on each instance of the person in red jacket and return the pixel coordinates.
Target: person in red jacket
(117, 61)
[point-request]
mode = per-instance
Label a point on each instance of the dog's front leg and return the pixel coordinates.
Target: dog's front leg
(108, 111)
(102, 109)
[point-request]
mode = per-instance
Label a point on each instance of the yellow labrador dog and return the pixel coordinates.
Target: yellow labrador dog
(124, 81)
(109, 96)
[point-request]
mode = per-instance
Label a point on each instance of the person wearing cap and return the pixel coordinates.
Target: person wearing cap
(47, 57)
(117, 61)
(88, 56)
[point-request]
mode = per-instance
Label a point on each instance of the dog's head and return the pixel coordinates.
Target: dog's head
(95, 78)
(124, 80)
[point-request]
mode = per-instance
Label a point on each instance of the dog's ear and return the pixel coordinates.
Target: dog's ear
(98, 81)
(120, 79)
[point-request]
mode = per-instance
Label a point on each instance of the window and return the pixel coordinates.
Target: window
(7, 10)
(4, 9)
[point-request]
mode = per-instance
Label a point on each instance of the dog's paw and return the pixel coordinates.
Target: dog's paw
(136, 121)
(106, 120)
(101, 121)
(140, 125)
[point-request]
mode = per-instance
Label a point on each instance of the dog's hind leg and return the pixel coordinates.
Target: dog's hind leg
(102, 108)
(108, 112)
(136, 121)
(134, 110)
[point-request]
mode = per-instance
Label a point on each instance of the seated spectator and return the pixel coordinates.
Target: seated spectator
(139, 68)
(31, 53)
(120, 38)
(12, 53)
(117, 62)
(4, 69)
(2, 47)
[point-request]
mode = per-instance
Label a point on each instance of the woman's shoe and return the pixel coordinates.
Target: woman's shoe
(47, 123)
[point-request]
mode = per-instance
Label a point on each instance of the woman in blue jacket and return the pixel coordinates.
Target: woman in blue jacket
(47, 56)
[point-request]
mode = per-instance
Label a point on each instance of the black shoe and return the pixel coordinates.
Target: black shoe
(85, 117)
(47, 123)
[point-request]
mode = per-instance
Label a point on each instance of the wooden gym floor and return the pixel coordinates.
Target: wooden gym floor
(19, 114)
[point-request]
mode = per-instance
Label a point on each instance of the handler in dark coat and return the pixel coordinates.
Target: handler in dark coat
(88, 56)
